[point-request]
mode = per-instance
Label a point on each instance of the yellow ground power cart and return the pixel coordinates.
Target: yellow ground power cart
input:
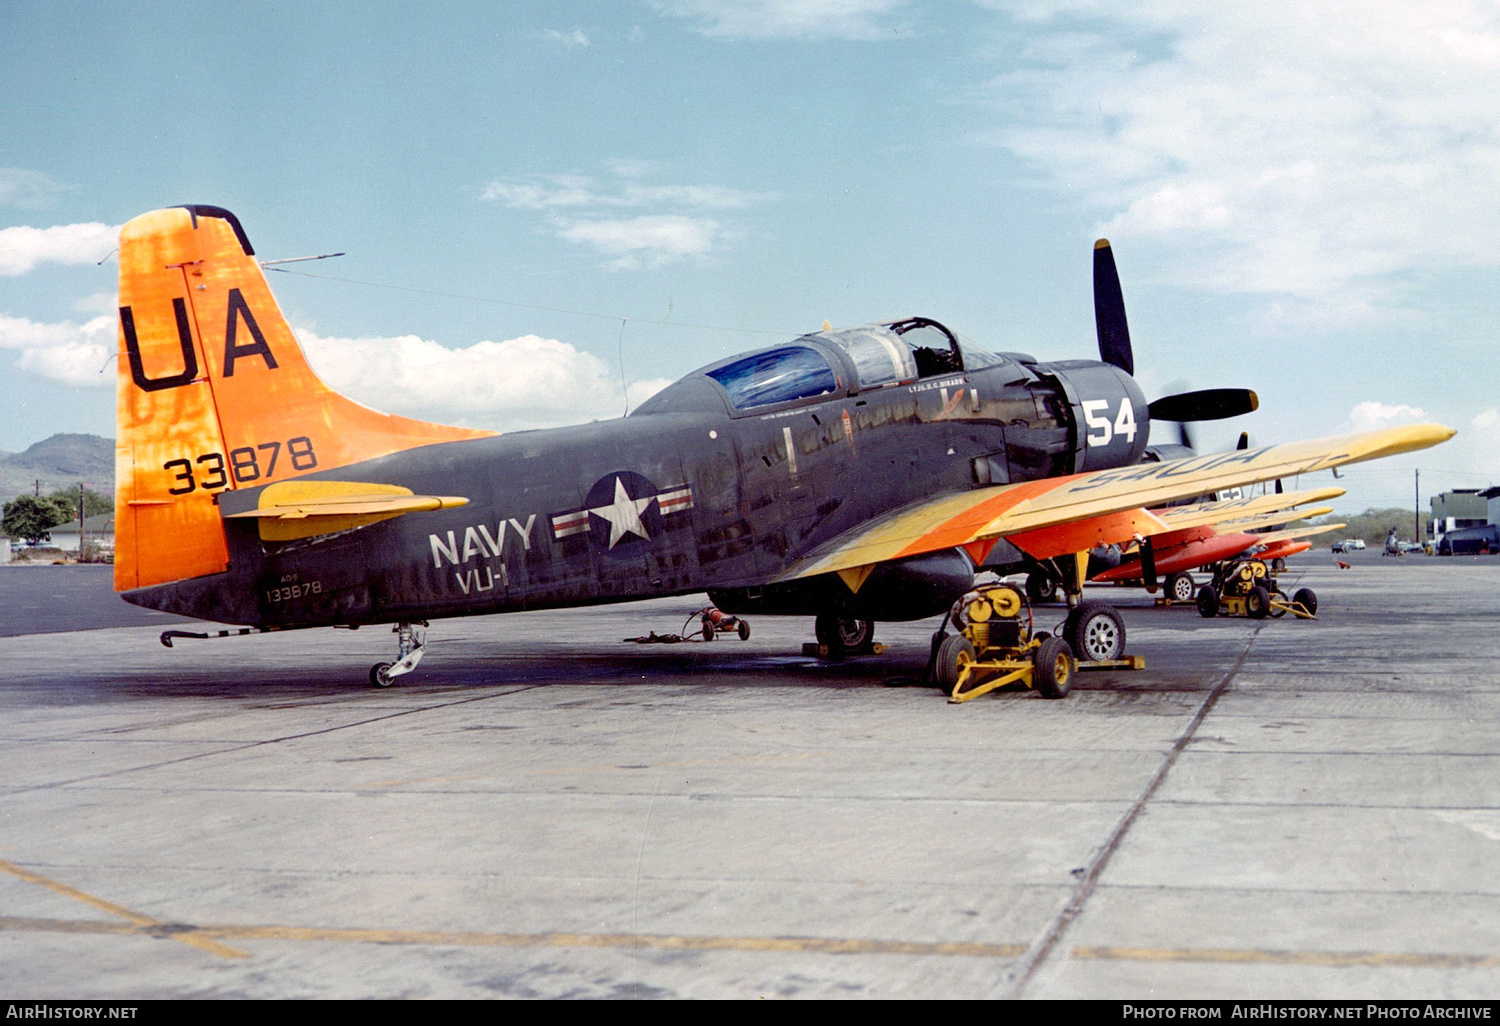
(1248, 587)
(996, 647)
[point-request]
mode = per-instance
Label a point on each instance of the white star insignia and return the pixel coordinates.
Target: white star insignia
(624, 514)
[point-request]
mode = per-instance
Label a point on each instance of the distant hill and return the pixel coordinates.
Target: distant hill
(59, 462)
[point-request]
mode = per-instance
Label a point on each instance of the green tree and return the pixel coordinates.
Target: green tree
(93, 502)
(30, 517)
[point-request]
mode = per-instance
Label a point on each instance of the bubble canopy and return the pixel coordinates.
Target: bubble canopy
(824, 363)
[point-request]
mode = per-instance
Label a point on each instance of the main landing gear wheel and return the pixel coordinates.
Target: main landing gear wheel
(1208, 602)
(955, 653)
(1095, 632)
(1041, 587)
(1053, 675)
(842, 636)
(1180, 588)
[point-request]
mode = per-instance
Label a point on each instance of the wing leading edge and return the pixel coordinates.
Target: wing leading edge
(1042, 509)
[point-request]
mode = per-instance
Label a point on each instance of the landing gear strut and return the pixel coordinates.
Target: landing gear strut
(410, 647)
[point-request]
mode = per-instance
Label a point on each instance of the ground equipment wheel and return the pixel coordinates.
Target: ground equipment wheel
(379, 675)
(1307, 600)
(1041, 586)
(1095, 632)
(744, 630)
(1258, 603)
(955, 653)
(1053, 675)
(1180, 587)
(1283, 600)
(1208, 601)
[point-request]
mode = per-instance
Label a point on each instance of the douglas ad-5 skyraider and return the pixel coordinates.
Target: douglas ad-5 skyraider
(847, 475)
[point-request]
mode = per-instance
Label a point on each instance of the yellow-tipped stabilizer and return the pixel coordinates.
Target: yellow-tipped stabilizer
(291, 510)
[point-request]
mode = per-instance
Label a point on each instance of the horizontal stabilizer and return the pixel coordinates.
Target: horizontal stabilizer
(290, 510)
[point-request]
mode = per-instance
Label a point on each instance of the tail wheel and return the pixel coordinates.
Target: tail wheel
(1053, 676)
(1257, 603)
(955, 653)
(1208, 601)
(1180, 587)
(1095, 632)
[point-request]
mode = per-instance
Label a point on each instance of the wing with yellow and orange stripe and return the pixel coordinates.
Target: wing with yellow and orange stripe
(1069, 514)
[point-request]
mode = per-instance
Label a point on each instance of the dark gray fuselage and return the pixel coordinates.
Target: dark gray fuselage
(685, 495)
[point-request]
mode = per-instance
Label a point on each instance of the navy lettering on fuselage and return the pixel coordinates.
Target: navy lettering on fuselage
(232, 350)
(478, 541)
(133, 351)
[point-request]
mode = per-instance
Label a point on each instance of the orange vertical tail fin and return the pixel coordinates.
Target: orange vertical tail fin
(214, 393)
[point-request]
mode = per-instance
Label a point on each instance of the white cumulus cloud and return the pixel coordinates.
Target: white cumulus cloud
(647, 241)
(526, 382)
(584, 209)
(788, 19)
(23, 247)
(1299, 147)
(72, 354)
(1372, 415)
(568, 40)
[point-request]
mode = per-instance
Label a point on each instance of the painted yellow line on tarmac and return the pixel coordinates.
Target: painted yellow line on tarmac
(444, 938)
(1380, 959)
(191, 936)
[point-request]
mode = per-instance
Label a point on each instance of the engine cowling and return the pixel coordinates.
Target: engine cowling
(1110, 415)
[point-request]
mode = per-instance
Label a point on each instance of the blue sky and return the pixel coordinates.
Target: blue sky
(539, 201)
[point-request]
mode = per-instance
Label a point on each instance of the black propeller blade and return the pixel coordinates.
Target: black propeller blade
(1109, 311)
(1206, 404)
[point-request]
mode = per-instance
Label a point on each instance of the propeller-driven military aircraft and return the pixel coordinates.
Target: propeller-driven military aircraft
(848, 475)
(1205, 533)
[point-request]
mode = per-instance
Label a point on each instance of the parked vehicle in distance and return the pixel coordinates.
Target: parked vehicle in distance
(1349, 545)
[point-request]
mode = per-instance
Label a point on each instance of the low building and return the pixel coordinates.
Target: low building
(1492, 504)
(1471, 541)
(1456, 510)
(98, 529)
